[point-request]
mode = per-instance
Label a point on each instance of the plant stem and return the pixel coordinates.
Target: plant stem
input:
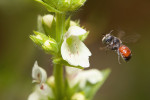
(59, 84)
(60, 27)
(58, 68)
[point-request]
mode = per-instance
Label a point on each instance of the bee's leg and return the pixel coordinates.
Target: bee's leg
(106, 48)
(118, 56)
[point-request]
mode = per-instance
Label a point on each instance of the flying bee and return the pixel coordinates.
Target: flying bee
(115, 44)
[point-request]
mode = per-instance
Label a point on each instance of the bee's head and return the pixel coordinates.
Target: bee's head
(107, 39)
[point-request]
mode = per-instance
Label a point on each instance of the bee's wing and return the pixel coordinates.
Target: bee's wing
(128, 37)
(132, 38)
(121, 34)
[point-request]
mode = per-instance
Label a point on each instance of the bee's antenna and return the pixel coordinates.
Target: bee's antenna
(110, 31)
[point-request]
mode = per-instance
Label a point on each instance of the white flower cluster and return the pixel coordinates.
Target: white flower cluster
(74, 53)
(74, 76)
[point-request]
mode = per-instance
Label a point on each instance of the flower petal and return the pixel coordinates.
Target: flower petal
(41, 94)
(71, 75)
(93, 76)
(75, 52)
(75, 31)
(46, 91)
(72, 71)
(34, 96)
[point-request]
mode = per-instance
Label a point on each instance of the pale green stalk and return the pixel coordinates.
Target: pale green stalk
(58, 68)
(60, 27)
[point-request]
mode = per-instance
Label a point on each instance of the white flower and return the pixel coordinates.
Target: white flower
(38, 74)
(41, 94)
(73, 50)
(92, 76)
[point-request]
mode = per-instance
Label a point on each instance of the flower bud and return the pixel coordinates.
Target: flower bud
(62, 5)
(47, 43)
(70, 5)
(50, 46)
(38, 38)
(78, 96)
(47, 20)
(51, 81)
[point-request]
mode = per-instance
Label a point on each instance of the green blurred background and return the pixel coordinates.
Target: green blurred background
(128, 81)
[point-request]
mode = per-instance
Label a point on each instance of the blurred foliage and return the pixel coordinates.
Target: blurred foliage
(128, 81)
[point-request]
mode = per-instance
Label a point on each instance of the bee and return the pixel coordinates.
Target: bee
(115, 44)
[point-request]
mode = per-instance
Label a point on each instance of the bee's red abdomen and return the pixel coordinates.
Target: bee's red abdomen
(125, 52)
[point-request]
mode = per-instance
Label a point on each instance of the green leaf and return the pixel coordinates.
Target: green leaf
(49, 8)
(67, 23)
(90, 89)
(53, 29)
(84, 36)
